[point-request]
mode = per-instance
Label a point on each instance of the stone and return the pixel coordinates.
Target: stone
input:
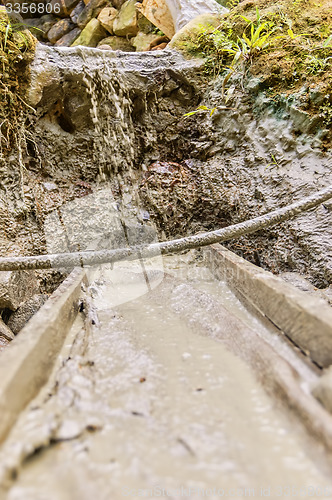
(143, 42)
(118, 3)
(159, 40)
(327, 294)
(188, 33)
(91, 34)
(158, 13)
(62, 8)
(48, 20)
(125, 24)
(184, 11)
(60, 29)
(77, 11)
(116, 43)
(106, 18)
(39, 27)
(144, 24)
(5, 331)
(35, 27)
(16, 287)
(20, 317)
(303, 121)
(90, 11)
(69, 38)
(161, 46)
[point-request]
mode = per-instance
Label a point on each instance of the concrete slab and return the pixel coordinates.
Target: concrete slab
(305, 319)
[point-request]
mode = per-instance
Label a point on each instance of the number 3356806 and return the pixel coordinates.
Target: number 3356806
(33, 8)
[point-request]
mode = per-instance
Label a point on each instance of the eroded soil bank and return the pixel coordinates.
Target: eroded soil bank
(117, 120)
(190, 173)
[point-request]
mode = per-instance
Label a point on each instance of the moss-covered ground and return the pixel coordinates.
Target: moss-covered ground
(286, 44)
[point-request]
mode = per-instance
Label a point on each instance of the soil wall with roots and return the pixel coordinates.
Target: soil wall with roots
(119, 120)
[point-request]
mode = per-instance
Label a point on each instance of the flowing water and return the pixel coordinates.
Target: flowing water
(150, 406)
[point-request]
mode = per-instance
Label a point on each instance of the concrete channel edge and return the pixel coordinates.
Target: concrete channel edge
(279, 379)
(306, 320)
(28, 360)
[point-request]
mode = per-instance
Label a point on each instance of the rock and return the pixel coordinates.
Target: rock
(303, 121)
(42, 25)
(184, 11)
(159, 40)
(69, 38)
(34, 23)
(188, 33)
(48, 20)
(125, 24)
(5, 331)
(77, 11)
(62, 8)
(161, 46)
(118, 3)
(143, 42)
(91, 34)
(298, 280)
(317, 96)
(144, 24)
(20, 317)
(90, 11)
(60, 29)
(158, 13)
(116, 43)
(106, 18)
(16, 287)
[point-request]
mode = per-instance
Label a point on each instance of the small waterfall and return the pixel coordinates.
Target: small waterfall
(110, 112)
(101, 117)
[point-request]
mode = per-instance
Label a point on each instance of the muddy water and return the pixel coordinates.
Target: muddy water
(150, 407)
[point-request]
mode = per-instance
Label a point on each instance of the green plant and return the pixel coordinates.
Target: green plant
(259, 37)
(199, 109)
(14, 36)
(326, 111)
(231, 4)
(273, 163)
(316, 65)
(16, 51)
(297, 3)
(215, 45)
(157, 31)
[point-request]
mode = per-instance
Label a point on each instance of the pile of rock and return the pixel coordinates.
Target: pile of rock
(106, 24)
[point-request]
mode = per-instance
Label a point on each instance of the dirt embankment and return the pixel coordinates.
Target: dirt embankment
(262, 140)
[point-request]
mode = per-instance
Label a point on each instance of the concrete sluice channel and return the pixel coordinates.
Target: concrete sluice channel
(152, 379)
(148, 398)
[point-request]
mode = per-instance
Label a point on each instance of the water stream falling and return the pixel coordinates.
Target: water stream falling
(110, 111)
